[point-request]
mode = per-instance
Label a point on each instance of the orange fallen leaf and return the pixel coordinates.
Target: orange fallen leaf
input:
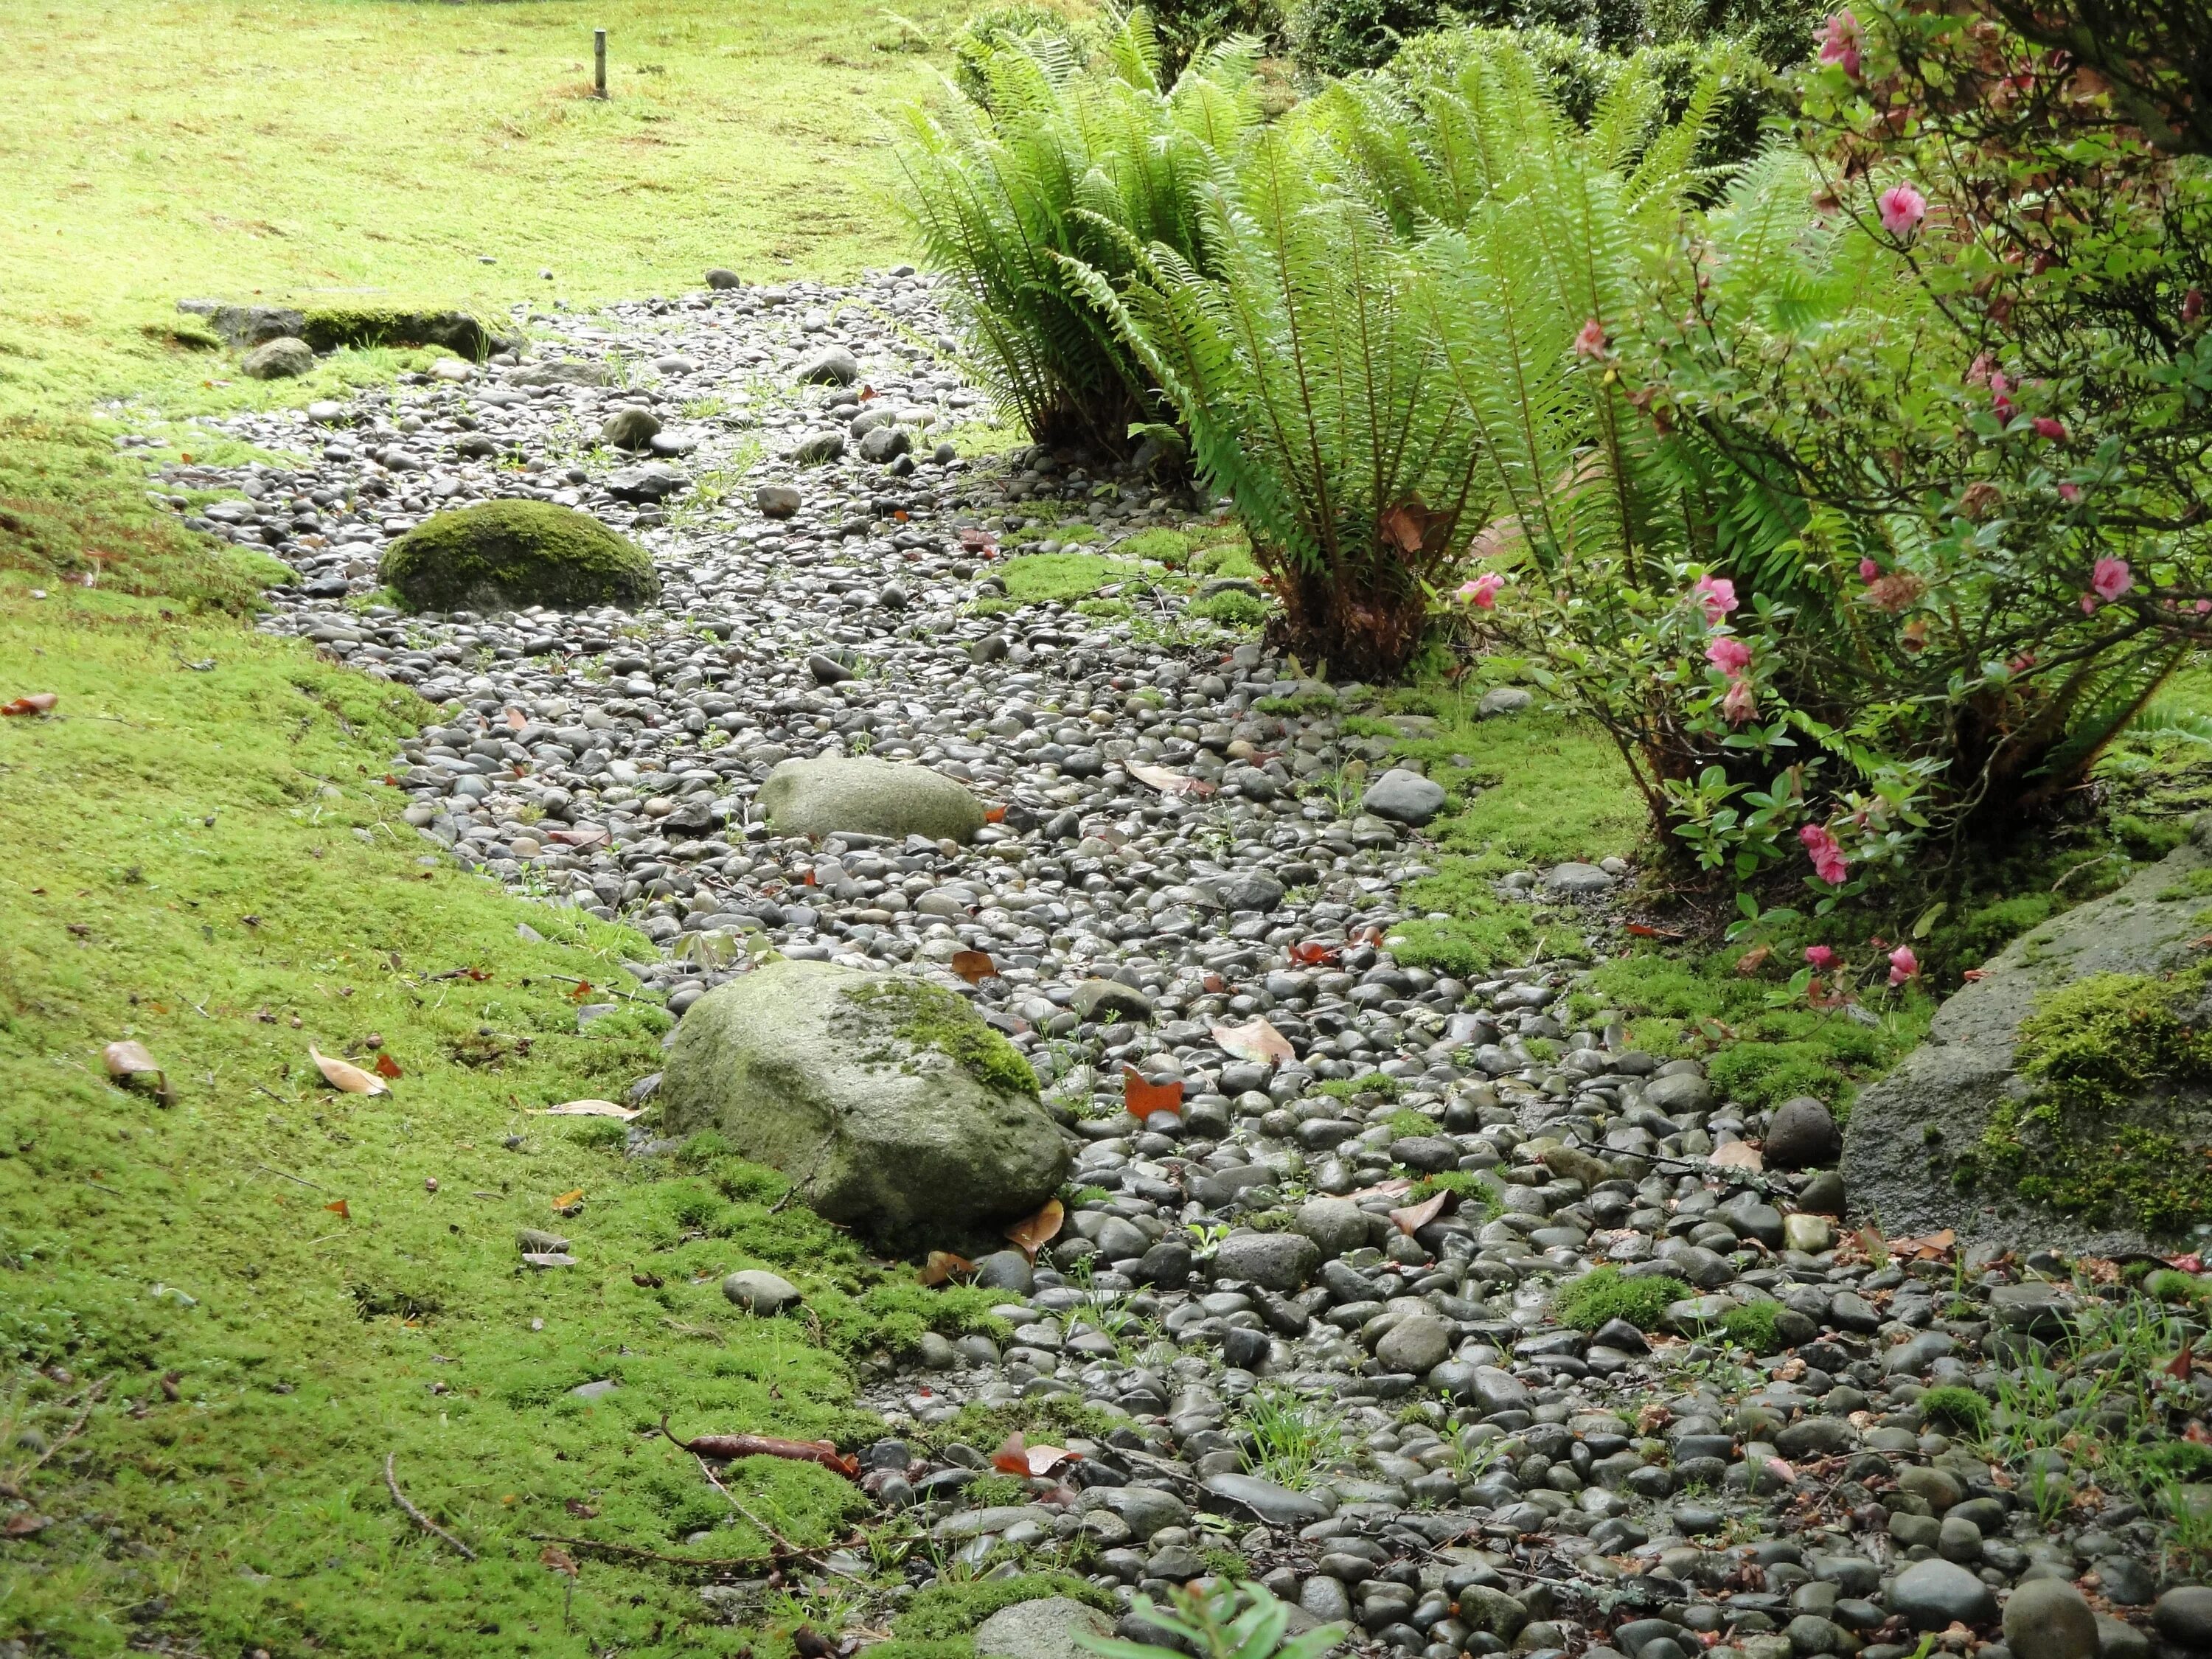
(1141, 1098)
(580, 991)
(23, 1523)
(1255, 1040)
(38, 703)
(995, 815)
(974, 966)
(943, 1265)
(1411, 1219)
(1012, 1457)
(1926, 1247)
(1311, 952)
(345, 1076)
(385, 1066)
(2179, 1365)
(570, 1201)
(558, 1559)
(1040, 1229)
(337, 1207)
(1736, 1155)
(516, 719)
(591, 1109)
(128, 1060)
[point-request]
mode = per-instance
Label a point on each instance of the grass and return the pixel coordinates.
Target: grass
(1293, 1439)
(1041, 578)
(1602, 1295)
(264, 1279)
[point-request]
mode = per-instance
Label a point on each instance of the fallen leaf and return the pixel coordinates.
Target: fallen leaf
(1256, 1040)
(581, 1509)
(1040, 1229)
(38, 703)
(23, 1523)
(591, 1109)
(2179, 1365)
(974, 966)
(385, 1066)
(1215, 983)
(995, 815)
(580, 992)
(570, 1202)
(1012, 1457)
(337, 1206)
(345, 1076)
(1782, 1471)
(2192, 1263)
(1396, 1187)
(129, 1059)
(584, 834)
(1753, 959)
(1413, 1218)
(516, 719)
(1926, 1247)
(1313, 951)
(1736, 1155)
(558, 1559)
(943, 1265)
(1142, 1099)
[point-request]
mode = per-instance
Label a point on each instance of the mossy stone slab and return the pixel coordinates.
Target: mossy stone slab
(504, 555)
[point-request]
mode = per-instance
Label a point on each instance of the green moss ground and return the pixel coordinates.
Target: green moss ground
(1036, 578)
(203, 859)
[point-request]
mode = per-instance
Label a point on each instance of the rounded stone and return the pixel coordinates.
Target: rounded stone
(629, 428)
(896, 1110)
(758, 1292)
(873, 797)
(1053, 1627)
(776, 500)
(280, 359)
(2183, 1616)
(504, 555)
(1801, 1135)
(831, 366)
(1936, 1594)
(1404, 797)
(723, 278)
(1274, 1262)
(2048, 1618)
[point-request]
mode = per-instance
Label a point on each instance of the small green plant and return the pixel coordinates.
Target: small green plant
(1293, 1439)
(1603, 1294)
(1231, 607)
(1235, 1621)
(1956, 1407)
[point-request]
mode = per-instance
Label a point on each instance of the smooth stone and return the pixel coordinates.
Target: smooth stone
(776, 500)
(831, 366)
(2048, 1618)
(1052, 1628)
(873, 797)
(1280, 1262)
(1801, 1135)
(1277, 1506)
(1936, 1594)
(280, 359)
(2183, 1616)
(759, 1293)
(1404, 797)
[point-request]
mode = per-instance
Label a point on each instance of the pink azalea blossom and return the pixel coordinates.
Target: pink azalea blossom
(1821, 956)
(2047, 427)
(1740, 703)
(1839, 42)
(1716, 595)
(1482, 592)
(2204, 607)
(2070, 492)
(1827, 853)
(1730, 654)
(2001, 396)
(2110, 578)
(1902, 965)
(1590, 342)
(1903, 208)
(1868, 570)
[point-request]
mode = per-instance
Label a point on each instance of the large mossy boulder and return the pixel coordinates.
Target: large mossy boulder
(889, 1102)
(869, 797)
(503, 555)
(2065, 1097)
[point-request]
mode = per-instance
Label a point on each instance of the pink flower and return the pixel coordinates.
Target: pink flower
(2069, 493)
(1590, 342)
(1740, 703)
(1903, 208)
(2047, 427)
(1730, 654)
(2088, 605)
(1716, 594)
(1482, 592)
(2204, 607)
(1839, 42)
(1902, 965)
(1821, 956)
(1868, 570)
(1828, 855)
(2110, 578)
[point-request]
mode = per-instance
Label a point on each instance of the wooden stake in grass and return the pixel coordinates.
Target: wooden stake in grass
(599, 62)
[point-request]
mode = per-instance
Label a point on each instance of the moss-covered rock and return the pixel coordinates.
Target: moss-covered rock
(887, 1100)
(327, 328)
(872, 797)
(501, 556)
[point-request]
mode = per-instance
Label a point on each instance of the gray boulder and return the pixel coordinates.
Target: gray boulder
(1048, 1629)
(1095, 999)
(831, 366)
(1336, 1225)
(887, 1100)
(873, 797)
(1280, 1262)
(818, 448)
(1404, 797)
(281, 359)
(1801, 1135)
(1503, 700)
(723, 278)
(886, 443)
(1934, 1594)
(2048, 1618)
(758, 1292)
(249, 325)
(653, 482)
(629, 428)
(1947, 1138)
(776, 500)
(1277, 1506)
(1578, 880)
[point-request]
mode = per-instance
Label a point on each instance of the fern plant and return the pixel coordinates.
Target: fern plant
(1304, 366)
(1053, 163)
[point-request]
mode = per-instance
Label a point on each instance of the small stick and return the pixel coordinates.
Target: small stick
(272, 1169)
(12, 1486)
(417, 1515)
(635, 1553)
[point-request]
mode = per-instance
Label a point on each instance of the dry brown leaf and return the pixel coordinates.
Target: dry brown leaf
(1396, 1187)
(1012, 1457)
(38, 703)
(1040, 1229)
(344, 1075)
(1256, 1040)
(1168, 782)
(1925, 1248)
(558, 1559)
(1736, 1155)
(943, 1265)
(337, 1206)
(1141, 1098)
(1043, 1460)
(23, 1523)
(974, 966)
(570, 1202)
(583, 834)
(129, 1059)
(1415, 1217)
(590, 1108)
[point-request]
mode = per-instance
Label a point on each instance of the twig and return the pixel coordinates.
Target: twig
(784, 1546)
(272, 1169)
(13, 1485)
(635, 1553)
(280, 1099)
(417, 1515)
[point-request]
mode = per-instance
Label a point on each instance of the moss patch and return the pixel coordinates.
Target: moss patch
(498, 555)
(2099, 1053)
(1481, 931)
(946, 1611)
(1037, 578)
(329, 328)
(1602, 1294)
(929, 1017)
(1956, 1409)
